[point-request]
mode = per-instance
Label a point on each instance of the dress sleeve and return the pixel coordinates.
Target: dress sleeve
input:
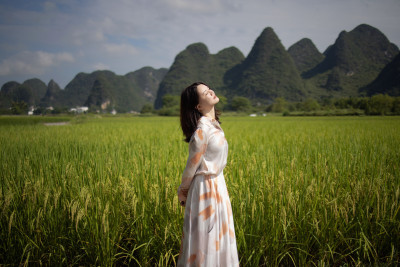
(197, 148)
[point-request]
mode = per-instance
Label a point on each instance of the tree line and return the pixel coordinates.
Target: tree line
(375, 105)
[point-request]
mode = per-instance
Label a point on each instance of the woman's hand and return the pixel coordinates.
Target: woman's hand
(182, 195)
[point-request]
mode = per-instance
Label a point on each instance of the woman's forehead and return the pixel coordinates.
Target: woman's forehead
(202, 88)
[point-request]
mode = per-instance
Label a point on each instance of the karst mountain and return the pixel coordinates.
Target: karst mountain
(361, 62)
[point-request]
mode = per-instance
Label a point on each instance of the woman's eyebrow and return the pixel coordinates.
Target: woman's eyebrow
(205, 91)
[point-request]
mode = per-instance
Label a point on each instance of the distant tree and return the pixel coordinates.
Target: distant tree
(279, 105)
(57, 110)
(327, 103)
(310, 105)
(396, 105)
(147, 108)
(291, 106)
(109, 108)
(362, 103)
(222, 102)
(171, 111)
(240, 103)
(170, 105)
(341, 103)
(5, 111)
(379, 105)
(170, 101)
(94, 109)
(19, 108)
(39, 111)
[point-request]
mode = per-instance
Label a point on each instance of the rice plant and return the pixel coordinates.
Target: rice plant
(102, 190)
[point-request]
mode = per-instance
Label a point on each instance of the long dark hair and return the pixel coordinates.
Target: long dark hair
(189, 114)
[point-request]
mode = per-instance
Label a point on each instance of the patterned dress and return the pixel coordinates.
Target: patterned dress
(208, 231)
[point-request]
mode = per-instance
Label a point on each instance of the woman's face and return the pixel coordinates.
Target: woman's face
(207, 97)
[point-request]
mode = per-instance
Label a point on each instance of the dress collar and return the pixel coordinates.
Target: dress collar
(209, 120)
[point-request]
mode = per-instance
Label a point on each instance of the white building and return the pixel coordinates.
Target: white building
(79, 110)
(31, 110)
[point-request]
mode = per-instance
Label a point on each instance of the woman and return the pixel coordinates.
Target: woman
(208, 232)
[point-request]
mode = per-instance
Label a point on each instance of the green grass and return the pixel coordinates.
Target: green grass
(102, 190)
(31, 120)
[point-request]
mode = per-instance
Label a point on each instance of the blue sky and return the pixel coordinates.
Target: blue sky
(58, 39)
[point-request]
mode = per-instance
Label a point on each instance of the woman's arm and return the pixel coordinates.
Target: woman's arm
(197, 148)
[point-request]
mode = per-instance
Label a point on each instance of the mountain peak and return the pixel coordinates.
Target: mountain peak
(264, 44)
(149, 79)
(365, 28)
(52, 94)
(198, 49)
(363, 42)
(9, 87)
(267, 35)
(232, 50)
(305, 55)
(100, 94)
(354, 60)
(52, 83)
(195, 63)
(267, 72)
(267, 31)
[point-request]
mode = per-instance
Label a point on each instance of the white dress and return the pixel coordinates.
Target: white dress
(208, 237)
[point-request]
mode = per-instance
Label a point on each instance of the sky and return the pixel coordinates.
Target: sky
(58, 39)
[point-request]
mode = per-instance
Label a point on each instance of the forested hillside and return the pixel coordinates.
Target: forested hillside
(361, 62)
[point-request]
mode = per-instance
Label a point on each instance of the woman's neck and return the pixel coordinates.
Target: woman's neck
(210, 113)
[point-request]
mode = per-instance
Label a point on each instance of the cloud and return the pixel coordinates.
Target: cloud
(204, 6)
(33, 63)
(100, 66)
(49, 6)
(120, 49)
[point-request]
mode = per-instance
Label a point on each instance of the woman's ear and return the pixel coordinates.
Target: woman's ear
(198, 107)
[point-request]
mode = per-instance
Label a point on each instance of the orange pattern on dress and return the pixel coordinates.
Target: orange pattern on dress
(196, 158)
(206, 196)
(192, 258)
(231, 233)
(225, 228)
(228, 208)
(200, 133)
(217, 194)
(207, 212)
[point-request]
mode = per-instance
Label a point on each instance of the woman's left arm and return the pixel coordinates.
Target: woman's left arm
(197, 148)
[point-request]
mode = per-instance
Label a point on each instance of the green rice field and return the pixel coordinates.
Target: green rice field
(305, 191)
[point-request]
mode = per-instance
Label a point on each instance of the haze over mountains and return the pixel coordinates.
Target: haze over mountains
(361, 62)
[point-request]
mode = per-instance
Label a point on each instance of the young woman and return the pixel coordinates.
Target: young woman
(208, 231)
